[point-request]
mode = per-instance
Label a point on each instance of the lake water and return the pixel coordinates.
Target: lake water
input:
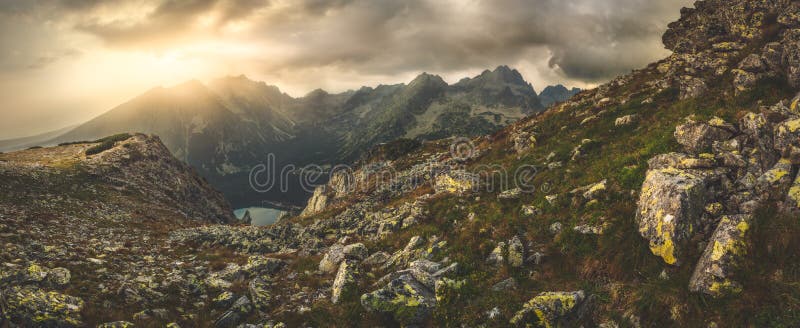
(261, 215)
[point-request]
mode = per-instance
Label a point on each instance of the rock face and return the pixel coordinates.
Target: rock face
(553, 309)
(316, 203)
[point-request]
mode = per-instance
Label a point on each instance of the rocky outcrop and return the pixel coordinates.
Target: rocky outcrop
(712, 191)
(316, 203)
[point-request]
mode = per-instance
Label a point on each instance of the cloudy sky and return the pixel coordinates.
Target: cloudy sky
(65, 61)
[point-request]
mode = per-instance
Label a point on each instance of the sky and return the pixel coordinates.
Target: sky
(63, 62)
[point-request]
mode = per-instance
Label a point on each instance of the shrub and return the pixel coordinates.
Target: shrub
(107, 143)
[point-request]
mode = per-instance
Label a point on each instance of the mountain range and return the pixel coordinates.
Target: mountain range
(230, 125)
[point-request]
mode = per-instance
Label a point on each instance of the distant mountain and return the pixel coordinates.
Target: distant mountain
(555, 94)
(228, 126)
(35, 140)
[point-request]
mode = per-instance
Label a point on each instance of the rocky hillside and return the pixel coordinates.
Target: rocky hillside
(668, 197)
(80, 223)
(227, 127)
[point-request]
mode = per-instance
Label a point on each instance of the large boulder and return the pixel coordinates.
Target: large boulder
(670, 207)
(330, 261)
(346, 280)
(456, 181)
(32, 307)
(554, 309)
(698, 137)
(724, 252)
(406, 299)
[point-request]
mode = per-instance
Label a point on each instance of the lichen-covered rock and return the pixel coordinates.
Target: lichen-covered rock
(407, 300)
(724, 252)
(793, 196)
(355, 251)
(496, 256)
(260, 293)
(553, 309)
(691, 87)
(523, 141)
(376, 258)
(776, 181)
(787, 137)
(262, 265)
(680, 161)
(330, 261)
(32, 307)
(516, 252)
(346, 280)
(670, 205)
(698, 137)
(510, 194)
(58, 277)
(456, 181)
(234, 316)
(626, 120)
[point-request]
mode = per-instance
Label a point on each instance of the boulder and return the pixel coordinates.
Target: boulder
(724, 252)
(698, 137)
(626, 120)
(356, 251)
(670, 206)
(554, 309)
(58, 277)
(261, 265)
(456, 181)
(775, 181)
(376, 258)
(330, 261)
(510, 194)
(496, 256)
(523, 141)
(260, 295)
(787, 137)
(346, 280)
(32, 307)
(507, 284)
(235, 315)
(793, 196)
(516, 252)
(405, 299)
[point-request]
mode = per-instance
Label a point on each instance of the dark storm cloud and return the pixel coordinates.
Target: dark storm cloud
(585, 40)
